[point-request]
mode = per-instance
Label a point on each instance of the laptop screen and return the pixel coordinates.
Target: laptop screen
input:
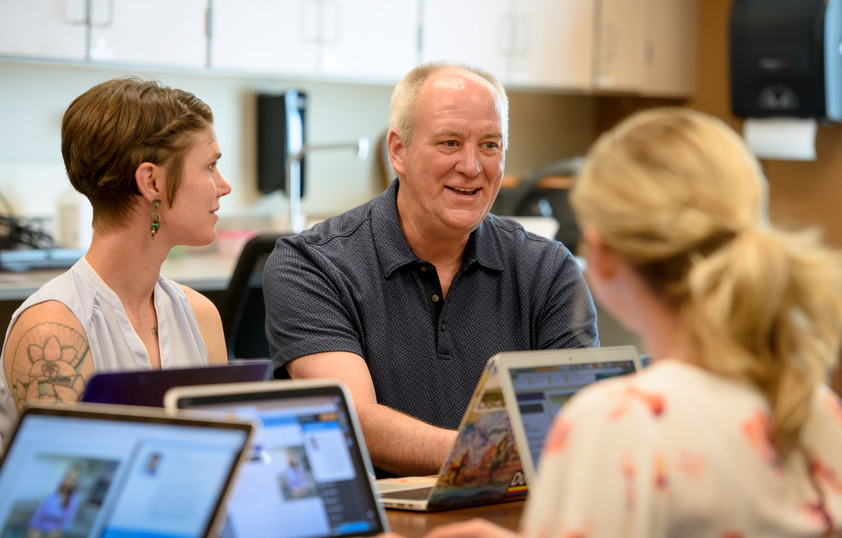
(91, 473)
(306, 475)
(542, 391)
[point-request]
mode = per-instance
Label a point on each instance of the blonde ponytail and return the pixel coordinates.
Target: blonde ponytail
(767, 309)
(677, 194)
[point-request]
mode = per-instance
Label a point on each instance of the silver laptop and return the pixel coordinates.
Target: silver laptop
(104, 470)
(536, 384)
(488, 462)
(309, 473)
(483, 466)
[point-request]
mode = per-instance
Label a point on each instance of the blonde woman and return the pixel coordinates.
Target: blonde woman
(732, 430)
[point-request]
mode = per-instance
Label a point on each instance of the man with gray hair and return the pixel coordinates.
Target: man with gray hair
(406, 297)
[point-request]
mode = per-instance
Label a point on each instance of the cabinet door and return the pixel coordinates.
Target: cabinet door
(43, 28)
(268, 36)
(477, 32)
(553, 44)
(671, 45)
(369, 39)
(149, 32)
(620, 52)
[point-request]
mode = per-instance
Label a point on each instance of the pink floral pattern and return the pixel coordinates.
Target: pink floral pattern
(676, 449)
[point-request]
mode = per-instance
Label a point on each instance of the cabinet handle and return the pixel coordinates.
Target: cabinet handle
(310, 21)
(109, 20)
(610, 45)
(507, 31)
(76, 12)
(336, 36)
(524, 37)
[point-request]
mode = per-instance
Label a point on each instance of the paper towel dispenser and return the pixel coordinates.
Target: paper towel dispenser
(786, 58)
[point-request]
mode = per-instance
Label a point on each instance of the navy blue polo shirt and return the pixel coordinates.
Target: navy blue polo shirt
(352, 283)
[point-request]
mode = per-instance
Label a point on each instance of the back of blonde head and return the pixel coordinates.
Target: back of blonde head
(678, 195)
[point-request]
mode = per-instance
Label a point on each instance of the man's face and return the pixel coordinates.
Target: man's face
(452, 169)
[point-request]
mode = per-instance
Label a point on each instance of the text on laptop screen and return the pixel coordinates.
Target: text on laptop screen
(302, 478)
(542, 391)
(128, 478)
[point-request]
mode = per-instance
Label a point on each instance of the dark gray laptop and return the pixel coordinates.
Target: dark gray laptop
(147, 387)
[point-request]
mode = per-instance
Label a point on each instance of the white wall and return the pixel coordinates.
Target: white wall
(33, 97)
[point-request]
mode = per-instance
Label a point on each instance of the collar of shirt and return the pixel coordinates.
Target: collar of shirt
(394, 252)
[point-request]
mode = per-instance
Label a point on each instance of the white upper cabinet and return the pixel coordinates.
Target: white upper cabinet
(357, 39)
(370, 39)
(146, 32)
(525, 43)
(671, 48)
(475, 32)
(553, 44)
(272, 36)
(620, 45)
(646, 47)
(44, 28)
(167, 33)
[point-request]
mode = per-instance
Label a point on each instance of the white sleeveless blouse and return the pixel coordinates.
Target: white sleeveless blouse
(113, 343)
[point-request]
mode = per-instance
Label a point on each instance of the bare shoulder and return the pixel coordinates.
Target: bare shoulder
(210, 325)
(47, 358)
(201, 305)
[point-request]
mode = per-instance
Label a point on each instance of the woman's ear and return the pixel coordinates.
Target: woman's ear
(149, 180)
(396, 150)
(602, 261)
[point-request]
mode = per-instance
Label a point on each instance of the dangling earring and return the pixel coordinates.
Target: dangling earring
(156, 220)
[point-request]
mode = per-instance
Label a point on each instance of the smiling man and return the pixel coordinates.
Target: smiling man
(405, 298)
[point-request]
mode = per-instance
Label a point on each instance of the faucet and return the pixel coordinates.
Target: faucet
(293, 164)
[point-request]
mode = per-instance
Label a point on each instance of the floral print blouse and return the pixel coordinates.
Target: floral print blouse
(678, 451)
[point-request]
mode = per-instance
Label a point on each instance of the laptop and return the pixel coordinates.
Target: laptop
(309, 473)
(101, 470)
(486, 463)
(536, 384)
(147, 387)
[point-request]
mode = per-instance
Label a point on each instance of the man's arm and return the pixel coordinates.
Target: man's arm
(397, 443)
(46, 357)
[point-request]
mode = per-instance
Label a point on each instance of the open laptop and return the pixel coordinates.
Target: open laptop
(485, 464)
(101, 470)
(309, 474)
(536, 384)
(147, 387)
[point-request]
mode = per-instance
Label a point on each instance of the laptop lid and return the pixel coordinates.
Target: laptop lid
(483, 466)
(536, 384)
(99, 470)
(147, 387)
(309, 473)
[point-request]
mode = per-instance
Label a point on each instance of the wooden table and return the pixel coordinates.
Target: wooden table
(417, 524)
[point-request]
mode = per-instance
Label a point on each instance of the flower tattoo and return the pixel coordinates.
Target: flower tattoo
(49, 365)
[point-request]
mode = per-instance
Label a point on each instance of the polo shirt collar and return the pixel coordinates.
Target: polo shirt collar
(393, 250)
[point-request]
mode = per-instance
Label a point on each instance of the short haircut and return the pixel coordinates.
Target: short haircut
(109, 130)
(406, 93)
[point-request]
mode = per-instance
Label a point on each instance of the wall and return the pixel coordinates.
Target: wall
(33, 97)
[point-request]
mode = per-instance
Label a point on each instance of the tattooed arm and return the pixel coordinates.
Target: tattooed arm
(46, 356)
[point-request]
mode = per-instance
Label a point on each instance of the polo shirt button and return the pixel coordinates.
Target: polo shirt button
(443, 327)
(435, 298)
(423, 268)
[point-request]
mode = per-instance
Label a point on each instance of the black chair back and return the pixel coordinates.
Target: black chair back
(243, 311)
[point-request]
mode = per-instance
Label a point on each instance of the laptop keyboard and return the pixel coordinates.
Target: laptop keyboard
(417, 494)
